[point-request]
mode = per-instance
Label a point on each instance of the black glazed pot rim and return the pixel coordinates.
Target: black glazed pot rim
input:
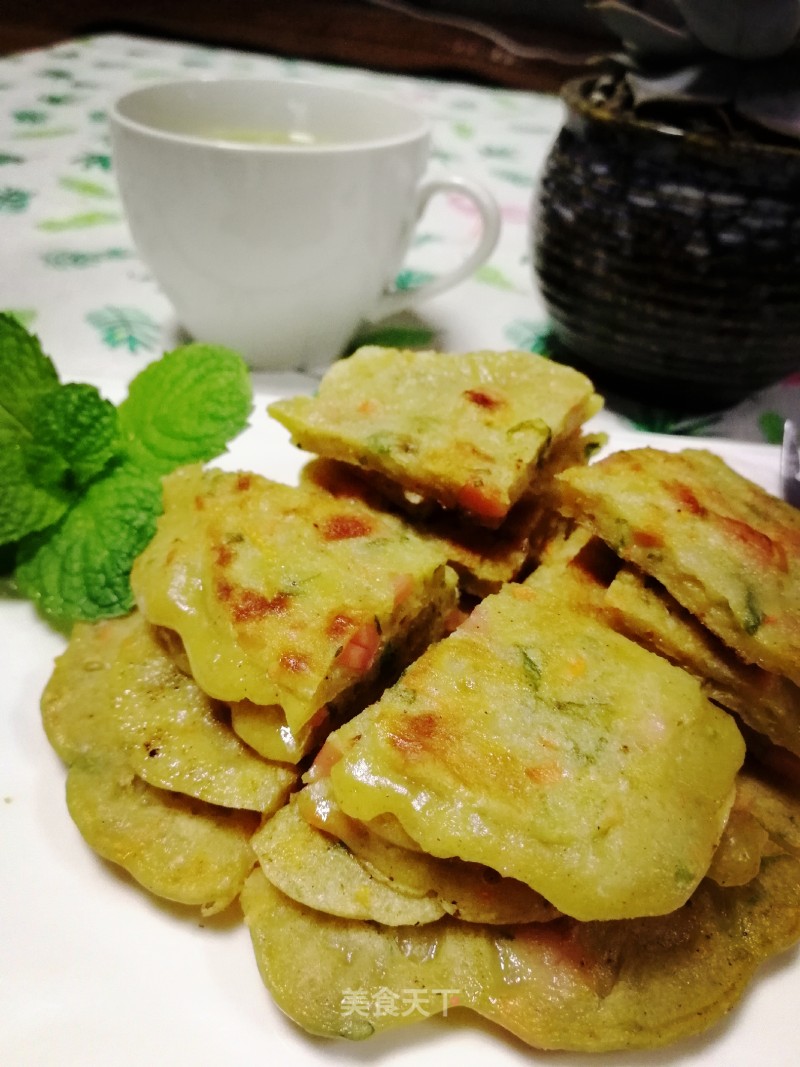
(581, 111)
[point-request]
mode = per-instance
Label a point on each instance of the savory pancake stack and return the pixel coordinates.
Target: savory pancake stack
(548, 815)
(549, 753)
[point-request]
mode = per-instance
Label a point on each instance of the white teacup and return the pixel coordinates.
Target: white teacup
(275, 215)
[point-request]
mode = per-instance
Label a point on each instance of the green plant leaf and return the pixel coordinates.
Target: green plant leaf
(26, 373)
(185, 407)
(771, 425)
(80, 568)
(394, 336)
(80, 487)
(80, 426)
(27, 505)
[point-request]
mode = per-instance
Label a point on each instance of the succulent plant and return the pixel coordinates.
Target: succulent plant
(738, 56)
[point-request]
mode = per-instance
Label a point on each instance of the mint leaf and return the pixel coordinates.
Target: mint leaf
(27, 505)
(73, 435)
(25, 374)
(185, 407)
(80, 484)
(32, 493)
(80, 426)
(80, 568)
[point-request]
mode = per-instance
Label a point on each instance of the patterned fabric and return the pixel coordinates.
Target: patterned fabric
(72, 274)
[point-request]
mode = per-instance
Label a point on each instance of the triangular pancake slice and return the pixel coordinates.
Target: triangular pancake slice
(484, 559)
(466, 431)
(769, 703)
(727, 550)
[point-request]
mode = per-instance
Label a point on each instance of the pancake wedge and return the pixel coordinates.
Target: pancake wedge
(582, 567)
(483, 559)
(723, 547)
(283, 595)
(537, 741)
(769, 703)
(467, 431)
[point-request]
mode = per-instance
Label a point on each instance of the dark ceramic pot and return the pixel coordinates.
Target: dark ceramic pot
(669, 263)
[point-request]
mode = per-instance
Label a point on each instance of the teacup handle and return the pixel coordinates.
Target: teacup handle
(398, 300)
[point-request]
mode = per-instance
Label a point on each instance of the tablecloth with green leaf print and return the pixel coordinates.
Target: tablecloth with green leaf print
(72, 275)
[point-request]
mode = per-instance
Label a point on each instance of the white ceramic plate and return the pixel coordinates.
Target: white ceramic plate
(94, 971)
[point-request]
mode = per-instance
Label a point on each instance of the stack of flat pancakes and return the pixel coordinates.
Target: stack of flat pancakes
(546, 814)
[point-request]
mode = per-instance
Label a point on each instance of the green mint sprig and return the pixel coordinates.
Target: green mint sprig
(80, 488)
